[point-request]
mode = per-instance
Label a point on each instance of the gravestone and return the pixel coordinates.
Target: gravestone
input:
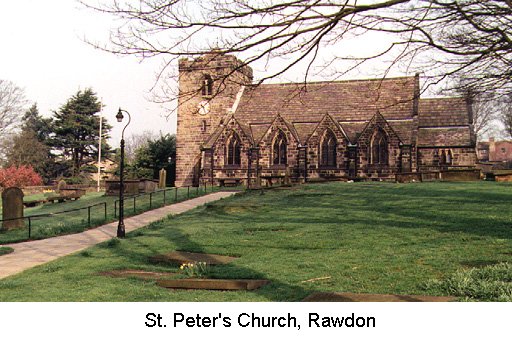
(162, 181)
(287, 180)
(258, 180)
(12, 207)
(61, 185)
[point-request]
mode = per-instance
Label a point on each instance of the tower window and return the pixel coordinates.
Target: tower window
(207, 86)
(279, 149)
(203, 125)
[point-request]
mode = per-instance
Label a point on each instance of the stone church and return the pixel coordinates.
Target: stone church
(232, 130)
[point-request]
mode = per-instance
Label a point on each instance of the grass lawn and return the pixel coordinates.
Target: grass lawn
(67, 219)
(364, 237)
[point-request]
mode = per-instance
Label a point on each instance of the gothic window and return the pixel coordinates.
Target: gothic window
(446, 157)
(233, 149)
(279, 149)
(328, 149)
(207, 86)
(442, 158)
(379, 149)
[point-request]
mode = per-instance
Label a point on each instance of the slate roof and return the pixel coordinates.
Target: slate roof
(450, 136)
(343, 100)
(443, 112)
(352, 103)
(304, 107)
(444, 122)
(353, 129)
(304, 130)
(405, 129)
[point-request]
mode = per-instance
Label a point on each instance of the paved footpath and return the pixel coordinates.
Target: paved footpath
(33, 253)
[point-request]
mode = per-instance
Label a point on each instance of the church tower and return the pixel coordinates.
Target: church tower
(208, 86)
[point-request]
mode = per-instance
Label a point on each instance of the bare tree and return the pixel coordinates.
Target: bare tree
(485, 114)
(444, 38)
(469, 39)
(12, 101)
(137, 141)
(506, 115)
(485, 107)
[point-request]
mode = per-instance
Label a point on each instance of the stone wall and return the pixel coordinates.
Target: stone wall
(366, 170)
(221, 170)
(266, 166)
(428, 158)
(315, 169)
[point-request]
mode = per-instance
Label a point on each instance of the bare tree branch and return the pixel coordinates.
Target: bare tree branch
(444, 39)
(12, 101)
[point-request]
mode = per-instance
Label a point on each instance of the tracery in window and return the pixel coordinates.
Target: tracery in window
(279, 149)
(233, 150)
(328, 149)
(379, 148)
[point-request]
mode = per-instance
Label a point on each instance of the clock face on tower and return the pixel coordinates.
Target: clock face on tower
(204, 107)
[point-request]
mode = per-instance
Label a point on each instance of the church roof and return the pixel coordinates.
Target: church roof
(444, 122)
(353, 129)
(343, 100)
(352, 104)
(443, 112)
(445, 136)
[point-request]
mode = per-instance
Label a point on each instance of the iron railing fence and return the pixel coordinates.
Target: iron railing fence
(39, 226)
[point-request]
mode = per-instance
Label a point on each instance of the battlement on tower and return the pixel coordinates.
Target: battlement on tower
(215, 62)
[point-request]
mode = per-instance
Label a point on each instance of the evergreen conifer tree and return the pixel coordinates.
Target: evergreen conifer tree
(76, 129)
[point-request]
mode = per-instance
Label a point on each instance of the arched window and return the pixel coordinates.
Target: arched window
(207, 86)
(279, 149)
(442, 158)
(233, 149)
(379, 149)
(446, 157)
(328, 149)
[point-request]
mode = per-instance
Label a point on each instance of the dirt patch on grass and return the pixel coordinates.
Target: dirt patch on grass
(239, 209)
(355, 297)
(180, 257)
(140, 274)
(310, 194)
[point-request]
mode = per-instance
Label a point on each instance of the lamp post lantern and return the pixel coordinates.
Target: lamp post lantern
(120, 226)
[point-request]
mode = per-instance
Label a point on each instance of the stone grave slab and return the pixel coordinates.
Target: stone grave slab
(140, 274)
(359, 297)
(213, 284)
(180, 257)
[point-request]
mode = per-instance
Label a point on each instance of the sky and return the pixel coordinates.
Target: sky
(43, 51)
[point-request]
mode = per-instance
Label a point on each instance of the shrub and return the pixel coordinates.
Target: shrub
(75, 180)
(21, 176)
(89, 168)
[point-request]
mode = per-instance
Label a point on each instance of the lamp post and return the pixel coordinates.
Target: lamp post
(120, 226)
